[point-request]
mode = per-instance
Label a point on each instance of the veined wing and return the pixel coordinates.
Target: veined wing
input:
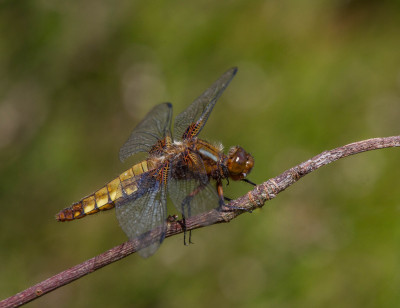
(189, 123)
(155, 126)
(189, 187)
(143, 211)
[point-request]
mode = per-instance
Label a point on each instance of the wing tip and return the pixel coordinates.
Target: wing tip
(232, 71)
(168, 104)
(229, 74)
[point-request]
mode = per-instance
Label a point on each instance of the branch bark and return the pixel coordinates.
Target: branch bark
(253, 199)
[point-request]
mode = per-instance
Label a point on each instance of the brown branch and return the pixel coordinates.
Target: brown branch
(252, 200)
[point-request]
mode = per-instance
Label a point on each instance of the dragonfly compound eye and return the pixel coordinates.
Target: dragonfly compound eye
(240, 163)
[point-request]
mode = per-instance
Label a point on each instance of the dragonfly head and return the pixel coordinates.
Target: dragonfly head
(240, 163)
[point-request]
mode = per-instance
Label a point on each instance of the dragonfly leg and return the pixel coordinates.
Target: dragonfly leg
(185, 208)
(220, 191)
(250, 182)
(184, 228)
(185, 231)
(226, 207)
(182, 223)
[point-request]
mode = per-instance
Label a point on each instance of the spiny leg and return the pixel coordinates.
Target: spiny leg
(184, 226)
(186, 203)
(220, 192)
(222, 204)
(250, 182)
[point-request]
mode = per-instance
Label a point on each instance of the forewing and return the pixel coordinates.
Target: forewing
(190, 122)
(155, 126)
(190, 189)
(145, 210)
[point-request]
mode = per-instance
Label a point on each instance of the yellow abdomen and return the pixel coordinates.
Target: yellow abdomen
(104, 198)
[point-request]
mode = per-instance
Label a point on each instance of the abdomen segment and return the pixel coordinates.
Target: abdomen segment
(105, 198)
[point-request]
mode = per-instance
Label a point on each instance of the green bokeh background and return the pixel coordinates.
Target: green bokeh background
(75, 78)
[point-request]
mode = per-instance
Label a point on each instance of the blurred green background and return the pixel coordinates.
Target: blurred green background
(76, 77)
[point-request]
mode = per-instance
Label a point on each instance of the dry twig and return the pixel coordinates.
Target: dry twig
(252, 200)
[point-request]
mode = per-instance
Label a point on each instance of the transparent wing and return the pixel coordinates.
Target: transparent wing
(189, 187)
(190, 122)
(143, 211)
(155, 126)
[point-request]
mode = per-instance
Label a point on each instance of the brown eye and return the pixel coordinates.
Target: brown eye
(240, 163)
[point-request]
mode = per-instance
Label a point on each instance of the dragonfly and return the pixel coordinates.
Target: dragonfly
(189, 170)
